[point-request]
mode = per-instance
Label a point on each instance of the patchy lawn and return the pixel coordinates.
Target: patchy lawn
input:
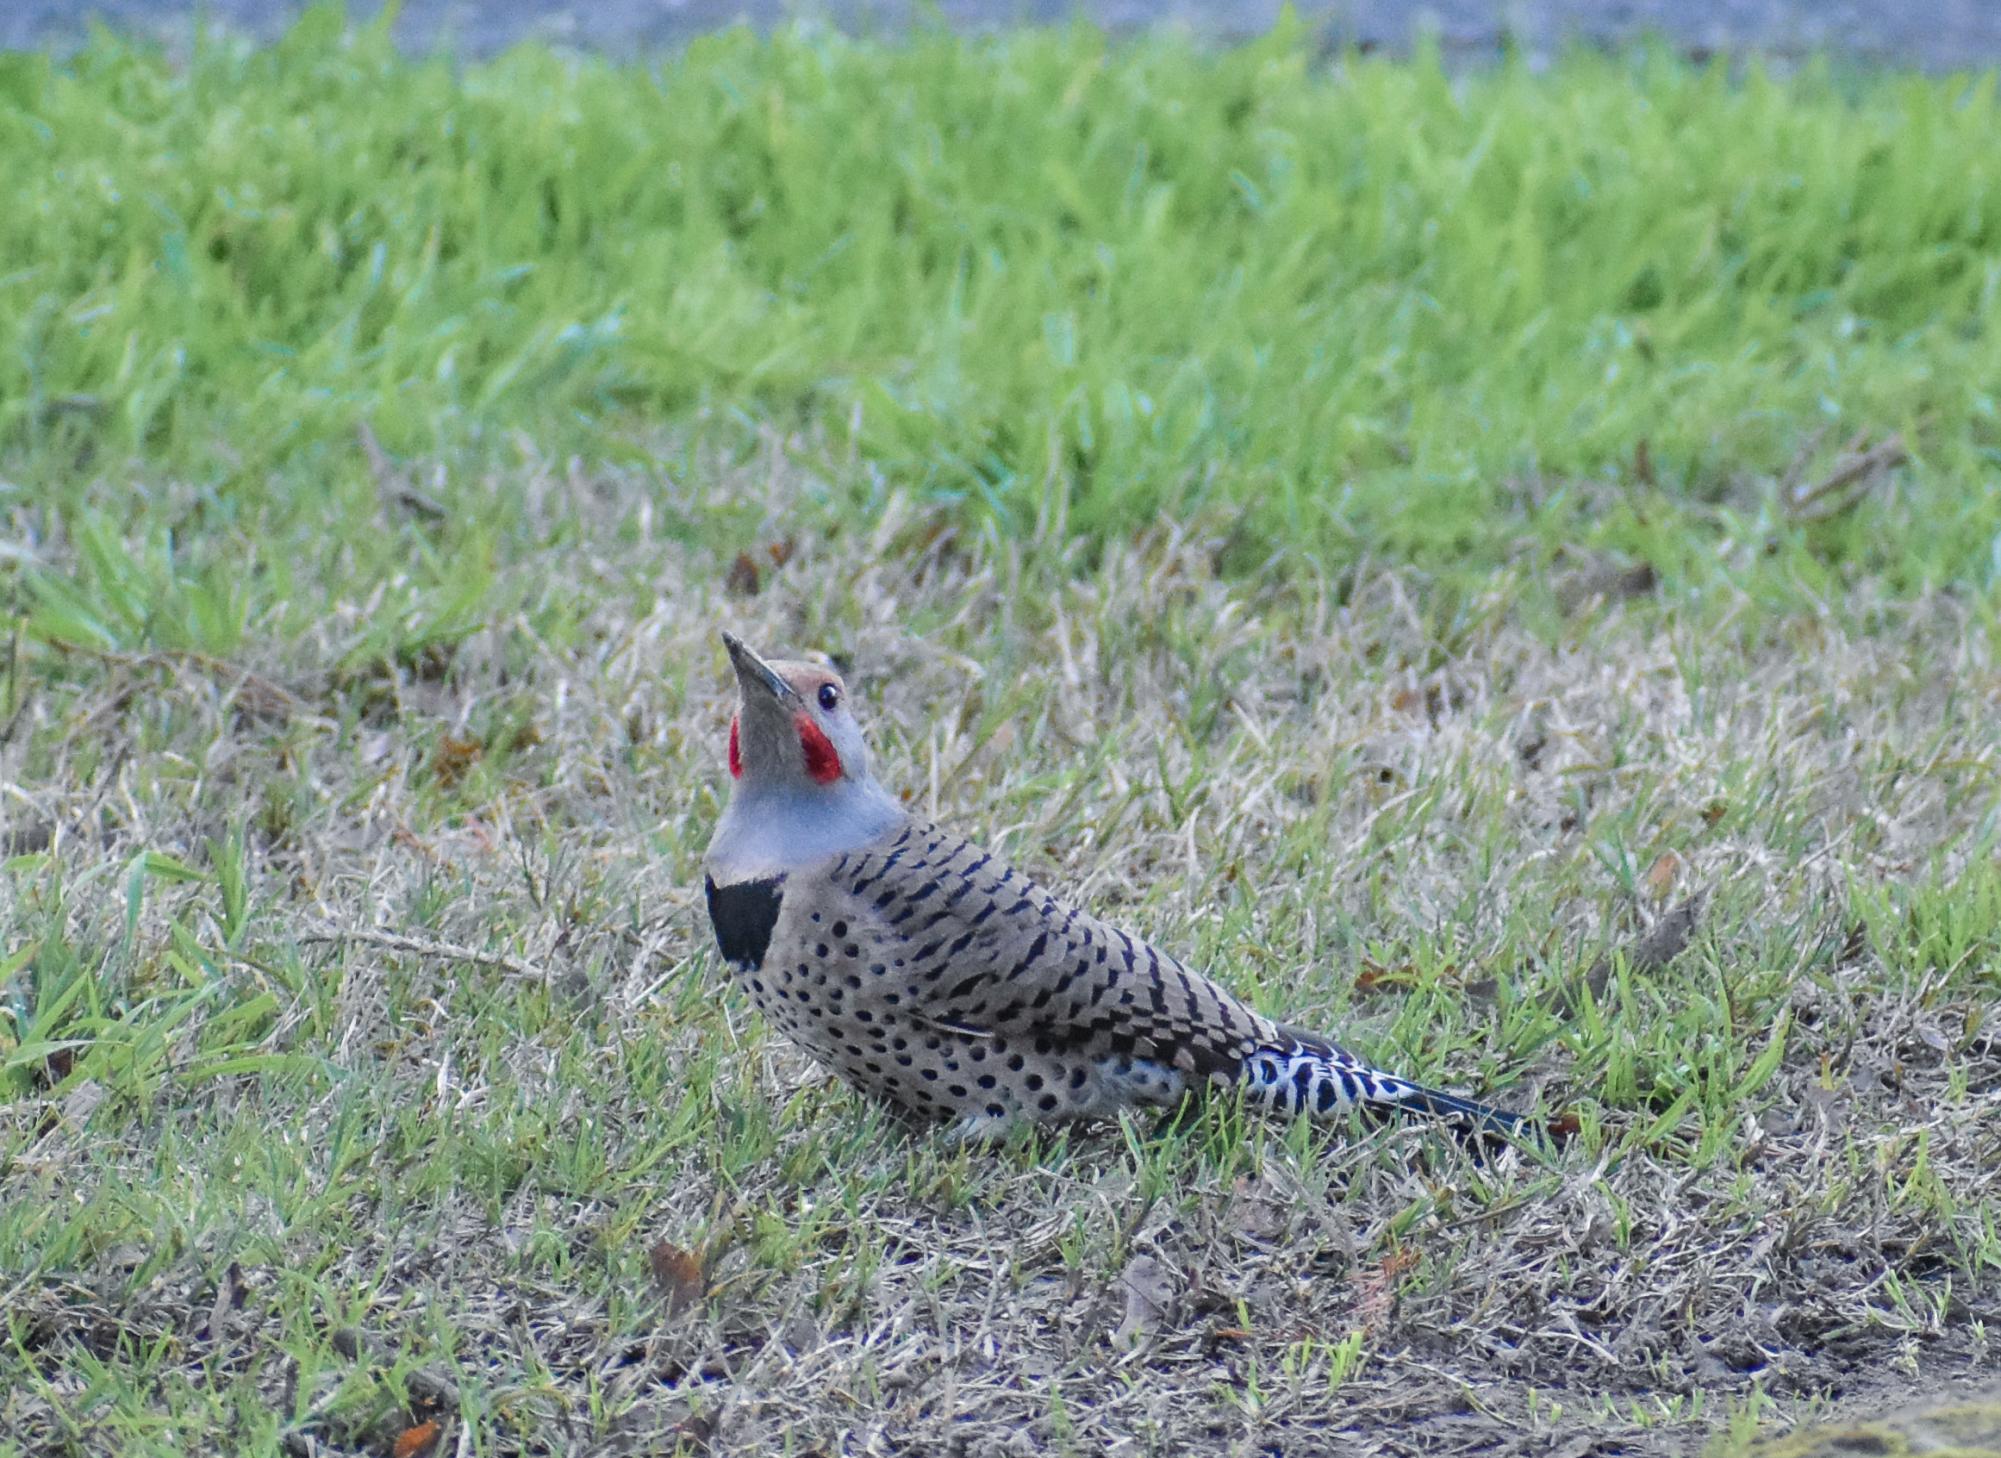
(353, 996)
(1588, 704)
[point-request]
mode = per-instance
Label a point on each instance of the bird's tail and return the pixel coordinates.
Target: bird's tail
(1305, 1075)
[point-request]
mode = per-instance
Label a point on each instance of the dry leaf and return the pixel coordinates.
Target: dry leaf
(27, 840)
(81, 1102)
(1149, 1288)
(230, 1294)
(1604, 579)
(417, 1441)
(1375, 1294)
(677, 1275)
(694, 1432)
(780, 552)
(453, 757)
(1376, 1288)
(937, 530)
(57, 1066)
(743, 579)
(1661, 874)
(1665, 941)
(1643, 462)
(430, 1390)
(1262, 1210)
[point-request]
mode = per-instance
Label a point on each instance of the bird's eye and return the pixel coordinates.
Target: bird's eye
(830, 697)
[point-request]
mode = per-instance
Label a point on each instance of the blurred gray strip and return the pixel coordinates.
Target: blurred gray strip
(1935, 34)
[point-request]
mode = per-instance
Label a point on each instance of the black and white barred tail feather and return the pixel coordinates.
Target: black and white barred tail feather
(1306, 1076)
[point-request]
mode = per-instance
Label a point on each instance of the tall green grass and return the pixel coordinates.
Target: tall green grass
(1372, 306)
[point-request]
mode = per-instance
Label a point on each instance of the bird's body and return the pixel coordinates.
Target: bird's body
(932, 974)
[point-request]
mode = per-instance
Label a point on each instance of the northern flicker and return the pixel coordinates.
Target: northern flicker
(930, 973)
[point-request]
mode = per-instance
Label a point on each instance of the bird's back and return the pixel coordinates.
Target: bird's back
(930, 971)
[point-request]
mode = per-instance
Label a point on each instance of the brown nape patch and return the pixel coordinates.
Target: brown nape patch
(807, 678)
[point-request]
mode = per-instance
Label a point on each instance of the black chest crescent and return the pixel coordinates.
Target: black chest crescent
(743, 916)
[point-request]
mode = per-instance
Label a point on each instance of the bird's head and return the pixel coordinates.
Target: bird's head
(793, 729)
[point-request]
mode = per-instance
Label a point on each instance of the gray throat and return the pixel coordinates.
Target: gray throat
(769, 832)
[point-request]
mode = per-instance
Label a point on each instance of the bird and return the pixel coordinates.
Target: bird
(934, 976)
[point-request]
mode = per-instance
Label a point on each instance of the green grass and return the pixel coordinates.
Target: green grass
(1224, 471)
(1035, 273)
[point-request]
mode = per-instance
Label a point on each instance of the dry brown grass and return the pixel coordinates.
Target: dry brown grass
(462, 1073)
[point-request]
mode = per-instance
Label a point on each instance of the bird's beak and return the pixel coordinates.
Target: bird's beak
(753, 672)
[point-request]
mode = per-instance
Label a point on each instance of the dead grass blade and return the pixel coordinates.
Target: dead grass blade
(419, 947)
(1857, 469)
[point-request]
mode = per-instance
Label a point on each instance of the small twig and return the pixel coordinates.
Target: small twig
(88, 406)
(1606, 579)
(17, 701)
(208, 663)
(1643, 464)
(1845, 485)
(105, 780)
(1795, 472)
(416, 947)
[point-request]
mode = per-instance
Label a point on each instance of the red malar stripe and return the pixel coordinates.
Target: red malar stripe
(823, 762)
